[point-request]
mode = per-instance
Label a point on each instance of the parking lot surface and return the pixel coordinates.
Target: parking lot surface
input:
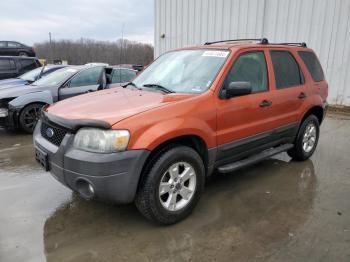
(277, 210)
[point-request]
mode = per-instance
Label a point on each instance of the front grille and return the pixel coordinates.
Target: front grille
(57, 133)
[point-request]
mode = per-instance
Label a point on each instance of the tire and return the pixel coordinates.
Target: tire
(306, 142)
(23, 54)
(156, 205)
(29, 116)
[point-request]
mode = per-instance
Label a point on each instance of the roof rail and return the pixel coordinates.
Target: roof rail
(302, 44)
(259, 40)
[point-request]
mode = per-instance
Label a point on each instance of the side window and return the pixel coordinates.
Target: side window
(313, 65)
(28, 64)
(87, 77)
(122, 76)
(287, 71)
(250, 67)
(7, 64)
(3, 44)
(13, 45)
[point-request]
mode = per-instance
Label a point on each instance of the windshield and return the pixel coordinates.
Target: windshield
(56, 77)
(185, 71)
(31, 75)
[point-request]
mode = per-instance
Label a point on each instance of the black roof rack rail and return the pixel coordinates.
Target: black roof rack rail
(259, 40)
(302, 44)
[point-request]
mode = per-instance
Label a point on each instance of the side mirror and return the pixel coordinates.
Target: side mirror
(237, 89)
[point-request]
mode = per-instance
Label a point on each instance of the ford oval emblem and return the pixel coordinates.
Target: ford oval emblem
(49, 132)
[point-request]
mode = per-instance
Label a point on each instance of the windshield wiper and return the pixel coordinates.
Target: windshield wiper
(130, 84)
(160, 87)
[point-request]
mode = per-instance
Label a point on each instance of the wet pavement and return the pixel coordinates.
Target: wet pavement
(277, 210)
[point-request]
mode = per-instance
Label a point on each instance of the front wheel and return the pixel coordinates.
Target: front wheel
(307, 139)
(29, 117)
(171, 186)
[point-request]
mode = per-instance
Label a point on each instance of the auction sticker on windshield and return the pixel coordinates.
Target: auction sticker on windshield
(215, 53)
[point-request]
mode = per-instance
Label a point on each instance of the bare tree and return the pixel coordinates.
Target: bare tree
(87, 50)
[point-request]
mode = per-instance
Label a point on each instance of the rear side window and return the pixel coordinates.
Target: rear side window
(287, 71)
(7, 64)
(3, 44)
(250, 67)
(313, 65)
(13, 45)
(28, 64)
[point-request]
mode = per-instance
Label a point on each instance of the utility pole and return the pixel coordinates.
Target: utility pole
(50, 47)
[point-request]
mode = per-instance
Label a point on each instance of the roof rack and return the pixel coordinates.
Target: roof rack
(259, 40)
(302, 44)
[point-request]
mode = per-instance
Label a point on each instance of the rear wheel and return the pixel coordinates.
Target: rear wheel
(171, 186)
(23, 54)
(307, 139)
(29, 117)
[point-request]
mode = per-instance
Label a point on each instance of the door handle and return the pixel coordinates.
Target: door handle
(302, 95)
(265, 103)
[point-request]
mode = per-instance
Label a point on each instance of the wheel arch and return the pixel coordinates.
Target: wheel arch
(193, 141)
(318, 111)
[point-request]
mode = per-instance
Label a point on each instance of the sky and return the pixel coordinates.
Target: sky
(31, 21)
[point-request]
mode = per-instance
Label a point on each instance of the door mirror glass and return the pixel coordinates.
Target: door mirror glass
(237, 89)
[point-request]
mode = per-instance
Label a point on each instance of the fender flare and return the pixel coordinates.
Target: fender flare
(170, 129)
(44, 97)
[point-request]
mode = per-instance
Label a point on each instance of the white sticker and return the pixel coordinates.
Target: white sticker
(215, 53)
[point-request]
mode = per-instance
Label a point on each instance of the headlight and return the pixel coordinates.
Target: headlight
(4, 112)
(101, 141)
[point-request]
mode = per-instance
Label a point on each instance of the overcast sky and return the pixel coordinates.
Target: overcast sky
(31, 21)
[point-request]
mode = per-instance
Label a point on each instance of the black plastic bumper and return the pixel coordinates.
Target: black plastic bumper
(114, 177)
(10, 121)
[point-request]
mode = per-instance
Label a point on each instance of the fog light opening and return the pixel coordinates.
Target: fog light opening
(85, 189)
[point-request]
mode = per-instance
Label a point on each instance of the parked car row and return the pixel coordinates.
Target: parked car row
(220, 106)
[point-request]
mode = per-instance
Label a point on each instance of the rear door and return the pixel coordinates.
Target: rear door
(7, 68)
(3, 48)
(289, 86)
(244, 122)
(87, 80)
(13, 48)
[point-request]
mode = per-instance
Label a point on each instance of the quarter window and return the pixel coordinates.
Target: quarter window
(87, 77)
(287, 71)
(250, 67)
(313, 65)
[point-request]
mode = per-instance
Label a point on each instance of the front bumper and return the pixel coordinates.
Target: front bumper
(9, 121)
(114, 177)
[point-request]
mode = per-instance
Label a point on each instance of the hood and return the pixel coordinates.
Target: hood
(16, 91)
(112, 105)
(12, 82)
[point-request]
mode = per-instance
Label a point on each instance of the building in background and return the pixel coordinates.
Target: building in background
(323, 24)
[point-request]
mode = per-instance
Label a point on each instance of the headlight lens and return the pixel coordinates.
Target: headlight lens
(4, 112)
(101, 141)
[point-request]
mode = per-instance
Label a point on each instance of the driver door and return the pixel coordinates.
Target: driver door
(88, 80)
(243, 122)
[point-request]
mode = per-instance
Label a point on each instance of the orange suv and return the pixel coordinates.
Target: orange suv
(219, 106)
